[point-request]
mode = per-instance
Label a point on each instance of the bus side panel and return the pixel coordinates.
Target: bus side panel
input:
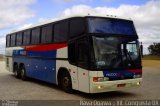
(39, 64)
(63, 53)
(42, 69)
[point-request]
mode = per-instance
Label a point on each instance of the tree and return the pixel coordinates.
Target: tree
(154, 49)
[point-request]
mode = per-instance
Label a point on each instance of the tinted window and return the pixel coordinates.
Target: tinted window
(72, 53)
(26, 37)
(111, 26)
(35, 39)
(19, 39)
(13, 39)
(8, 41)
(47, 34)
(78, 53)
(61, 32)
(77, 27)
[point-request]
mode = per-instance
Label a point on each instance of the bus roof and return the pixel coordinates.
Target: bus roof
(59, 19)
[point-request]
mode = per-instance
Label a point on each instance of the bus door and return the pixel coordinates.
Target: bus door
(72, 57)
(78, 57)
(83, 64)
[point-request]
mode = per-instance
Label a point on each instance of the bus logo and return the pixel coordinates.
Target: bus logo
(112, 74)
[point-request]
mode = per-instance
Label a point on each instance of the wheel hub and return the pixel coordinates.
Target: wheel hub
(65, 81)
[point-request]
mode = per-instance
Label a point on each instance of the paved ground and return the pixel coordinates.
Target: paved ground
(16, 89)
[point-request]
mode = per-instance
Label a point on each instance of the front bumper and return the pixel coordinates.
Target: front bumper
(97, 87)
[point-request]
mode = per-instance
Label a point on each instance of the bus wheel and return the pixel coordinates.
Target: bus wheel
(23, 72)
(66, 83)
(16, 71)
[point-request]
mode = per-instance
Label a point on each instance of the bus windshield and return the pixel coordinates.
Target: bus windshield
(116, 52)
(111, 26)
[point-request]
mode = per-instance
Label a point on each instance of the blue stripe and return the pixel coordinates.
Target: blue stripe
(45, 70)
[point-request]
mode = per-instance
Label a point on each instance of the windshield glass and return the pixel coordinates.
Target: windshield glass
(111, 26)
(116, 52)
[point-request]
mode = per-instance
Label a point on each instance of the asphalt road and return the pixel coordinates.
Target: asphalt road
(16, 89)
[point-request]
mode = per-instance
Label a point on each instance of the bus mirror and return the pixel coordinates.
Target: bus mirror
(141, 49)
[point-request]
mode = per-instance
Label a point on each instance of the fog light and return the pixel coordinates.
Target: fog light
(138, 83)
(99, 87)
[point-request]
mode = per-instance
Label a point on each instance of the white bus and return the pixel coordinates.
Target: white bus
(87, 53)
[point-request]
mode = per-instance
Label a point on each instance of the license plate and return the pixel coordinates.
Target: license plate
(121, 85)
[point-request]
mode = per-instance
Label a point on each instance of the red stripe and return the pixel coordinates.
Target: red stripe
(47, 47)
(135, 70)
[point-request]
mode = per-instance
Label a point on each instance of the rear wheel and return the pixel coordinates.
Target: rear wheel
(66, 83)
(23, 72)
(16, 71)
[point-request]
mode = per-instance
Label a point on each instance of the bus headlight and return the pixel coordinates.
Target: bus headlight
(100, 79)
(137, 76)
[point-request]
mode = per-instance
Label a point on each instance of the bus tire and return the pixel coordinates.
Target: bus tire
(16, 71)
(23, 72)
(66, 82)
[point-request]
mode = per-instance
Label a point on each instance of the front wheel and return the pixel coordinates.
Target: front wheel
(66, 83)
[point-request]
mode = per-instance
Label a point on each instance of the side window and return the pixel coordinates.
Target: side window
(26, 37)
(77, 27)
(82, 47)
(35, 39)
(19, 39)
(61, 32)
(13, 39)
(47, 34)
(8, 41)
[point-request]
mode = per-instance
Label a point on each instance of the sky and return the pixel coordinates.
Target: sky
(17, 14)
